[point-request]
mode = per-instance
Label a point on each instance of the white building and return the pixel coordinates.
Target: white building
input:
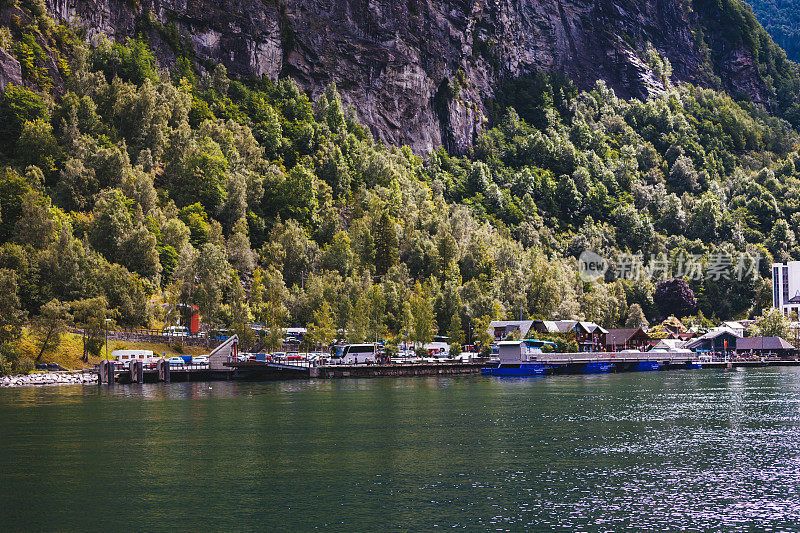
(786, 287)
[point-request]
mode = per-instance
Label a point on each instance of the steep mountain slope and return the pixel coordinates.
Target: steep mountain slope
(419, 72)
(781, 18)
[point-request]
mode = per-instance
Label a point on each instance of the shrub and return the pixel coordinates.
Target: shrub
(95, 345)
(23, 365)
(455, 349)
(421, 352)
(9, 353)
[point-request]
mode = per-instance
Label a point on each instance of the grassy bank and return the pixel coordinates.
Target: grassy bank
(70, 351)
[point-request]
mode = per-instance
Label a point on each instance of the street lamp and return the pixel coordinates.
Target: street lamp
(105, 328)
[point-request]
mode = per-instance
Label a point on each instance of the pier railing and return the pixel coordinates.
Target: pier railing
(610, 357)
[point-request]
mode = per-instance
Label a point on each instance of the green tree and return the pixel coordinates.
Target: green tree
(636, 318)
(322, 331)
(386, 245)
(358, 328)
(48, 326)
(275, 313)
(257, 290)
(239, 311)
(91, 314)
(424, 327)
(18, 106)
(455, 332)
(212, 274)
(12, 316)
(771, 323)
(377, 313)
(38, 146)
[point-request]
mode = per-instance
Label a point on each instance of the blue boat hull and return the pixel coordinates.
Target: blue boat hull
(597, 368)
(525, 369)
(645, 366)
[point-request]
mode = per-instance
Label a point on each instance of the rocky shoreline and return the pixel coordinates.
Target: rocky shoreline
(49, 378)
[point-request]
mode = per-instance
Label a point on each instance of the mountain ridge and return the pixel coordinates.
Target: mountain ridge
(420, 72)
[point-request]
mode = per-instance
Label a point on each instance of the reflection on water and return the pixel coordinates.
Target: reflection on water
(693, 450)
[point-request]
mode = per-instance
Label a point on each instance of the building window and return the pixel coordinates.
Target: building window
(785, 281)
(775, 295)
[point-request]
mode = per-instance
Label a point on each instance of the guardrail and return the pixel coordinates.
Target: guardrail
(155, 336)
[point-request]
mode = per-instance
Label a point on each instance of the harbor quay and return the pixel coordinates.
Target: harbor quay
(516, 358)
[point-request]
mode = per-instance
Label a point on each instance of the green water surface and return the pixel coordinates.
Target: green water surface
(690, 450)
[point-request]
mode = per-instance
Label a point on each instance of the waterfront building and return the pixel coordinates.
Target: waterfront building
(735, 326)
(718, 341)
(670, 345)
(589, 336)
(626, 339)
(500, 329)
(764, 346)
(786, 287)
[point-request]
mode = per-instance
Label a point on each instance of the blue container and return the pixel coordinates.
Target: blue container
(187, 359)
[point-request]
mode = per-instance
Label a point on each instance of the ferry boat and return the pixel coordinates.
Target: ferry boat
(519, 358)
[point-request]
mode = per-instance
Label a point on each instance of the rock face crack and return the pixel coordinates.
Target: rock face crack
(395, 62)
(567, 29)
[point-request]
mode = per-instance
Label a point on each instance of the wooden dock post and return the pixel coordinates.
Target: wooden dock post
(106, 372)
(163, 370)
(137, 371)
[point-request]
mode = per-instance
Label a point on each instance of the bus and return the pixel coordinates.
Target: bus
(354, 354)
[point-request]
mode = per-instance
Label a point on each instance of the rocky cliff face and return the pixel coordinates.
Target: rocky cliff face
(419, 71)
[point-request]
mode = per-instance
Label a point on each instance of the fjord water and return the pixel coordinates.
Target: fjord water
(691, 450)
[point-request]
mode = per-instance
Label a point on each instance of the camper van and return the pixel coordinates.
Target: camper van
(439, 348)
(123, 358)
(354, 354)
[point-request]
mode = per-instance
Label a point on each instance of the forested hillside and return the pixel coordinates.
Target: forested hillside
(781, 18)
(126, 183)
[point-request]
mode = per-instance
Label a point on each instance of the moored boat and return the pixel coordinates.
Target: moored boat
(518, 358)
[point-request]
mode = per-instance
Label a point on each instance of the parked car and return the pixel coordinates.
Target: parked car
(175, 361)
(49, 366)
(200, 360)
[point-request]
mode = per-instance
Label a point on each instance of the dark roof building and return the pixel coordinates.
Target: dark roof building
(626, 339)
(499, 329)
(764, 345)
(720, 341)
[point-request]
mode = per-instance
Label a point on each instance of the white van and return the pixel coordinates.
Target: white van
(354, 354)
